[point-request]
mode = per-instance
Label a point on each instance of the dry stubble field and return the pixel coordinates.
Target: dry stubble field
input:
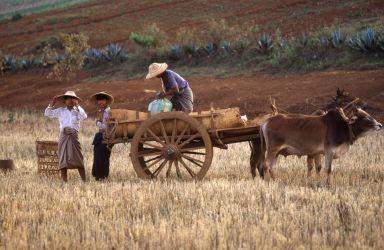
(228, 209)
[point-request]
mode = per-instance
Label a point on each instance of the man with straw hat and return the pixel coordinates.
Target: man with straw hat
(174, 86)
(101, 153)
(69, 117)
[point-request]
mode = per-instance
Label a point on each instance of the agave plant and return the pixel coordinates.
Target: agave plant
(176, 51)
(226, 46)
(210, 48)
(93, 55)
(265, 42)
(27, 63)
(112, 51)
(367, 41)
(10, 62)
(337, 38)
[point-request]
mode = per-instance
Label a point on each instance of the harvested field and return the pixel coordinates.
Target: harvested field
(228, 209)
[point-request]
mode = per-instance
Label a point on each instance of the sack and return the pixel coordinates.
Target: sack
(160, 105)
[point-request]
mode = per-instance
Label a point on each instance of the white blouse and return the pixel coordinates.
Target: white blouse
(67, 118)
(101, 124)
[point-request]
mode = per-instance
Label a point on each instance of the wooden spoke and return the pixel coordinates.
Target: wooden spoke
(174, 130)
(194, 161)
(149, 154)
(177, 169)
(156, 137)
(181, 135)
(154, 158)
(153, 163)
(193, 175)
(169, 169)
(193, 152)
(158, 170)
(188, 141)
(164, 132)
(151, 145)
(191, 148)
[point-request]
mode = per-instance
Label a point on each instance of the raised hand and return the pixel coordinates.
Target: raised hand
(54, 100)
(75, 102)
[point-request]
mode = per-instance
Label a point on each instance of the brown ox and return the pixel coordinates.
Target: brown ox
(330, 134)
(341, 99)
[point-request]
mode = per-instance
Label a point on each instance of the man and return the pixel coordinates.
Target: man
(69, 117)
(174, 86)
(101, 153)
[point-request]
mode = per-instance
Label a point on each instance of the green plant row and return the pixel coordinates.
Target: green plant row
(276, 51)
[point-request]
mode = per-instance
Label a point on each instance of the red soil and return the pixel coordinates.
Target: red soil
(250, 93)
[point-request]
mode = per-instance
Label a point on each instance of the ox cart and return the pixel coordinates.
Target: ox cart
(174, 143)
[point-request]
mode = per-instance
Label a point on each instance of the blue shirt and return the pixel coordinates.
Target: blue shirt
(172, 80)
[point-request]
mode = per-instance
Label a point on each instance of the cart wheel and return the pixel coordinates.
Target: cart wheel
(171, 144)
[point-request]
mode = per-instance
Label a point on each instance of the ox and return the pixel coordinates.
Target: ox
(330, 134)
(341, 99)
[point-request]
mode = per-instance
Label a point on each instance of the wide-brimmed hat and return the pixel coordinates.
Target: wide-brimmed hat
(156, 69)
(69, 94)
(109, 97)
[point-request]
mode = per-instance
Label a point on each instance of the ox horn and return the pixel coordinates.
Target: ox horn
(351, 103)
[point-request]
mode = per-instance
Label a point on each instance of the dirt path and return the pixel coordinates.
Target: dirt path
(250, 93)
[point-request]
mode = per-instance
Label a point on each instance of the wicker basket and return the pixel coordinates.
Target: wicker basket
(47, 156)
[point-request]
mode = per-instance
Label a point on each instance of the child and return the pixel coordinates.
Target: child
(69, 117)
(101, 153)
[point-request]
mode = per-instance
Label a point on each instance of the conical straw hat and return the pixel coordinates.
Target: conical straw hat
(69, 94)
(109, 97)
(156, 69)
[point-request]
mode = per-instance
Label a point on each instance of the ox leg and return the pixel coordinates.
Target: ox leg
(318, 163)
(270, 162)
(310, 164)
(328, 165)
(256, 158)
(253, 161)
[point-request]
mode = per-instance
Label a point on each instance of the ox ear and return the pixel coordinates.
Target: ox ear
(352, 120)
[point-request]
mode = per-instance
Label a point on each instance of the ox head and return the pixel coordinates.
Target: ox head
(363, 123)
(342, 98)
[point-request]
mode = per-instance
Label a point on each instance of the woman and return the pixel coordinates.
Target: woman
(174, 86)
(101, 153)
(69, 117)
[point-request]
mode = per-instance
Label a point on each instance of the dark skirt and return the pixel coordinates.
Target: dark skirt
(101, 155)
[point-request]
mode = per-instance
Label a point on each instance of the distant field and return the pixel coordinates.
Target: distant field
(9, 7)
(114, 20)
(227, 210)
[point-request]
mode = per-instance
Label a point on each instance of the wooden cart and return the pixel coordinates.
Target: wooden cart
(182, 147)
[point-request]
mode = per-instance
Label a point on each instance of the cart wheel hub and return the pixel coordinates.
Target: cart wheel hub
(171, 152)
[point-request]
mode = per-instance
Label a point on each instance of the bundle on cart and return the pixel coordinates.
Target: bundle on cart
(123, 123)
